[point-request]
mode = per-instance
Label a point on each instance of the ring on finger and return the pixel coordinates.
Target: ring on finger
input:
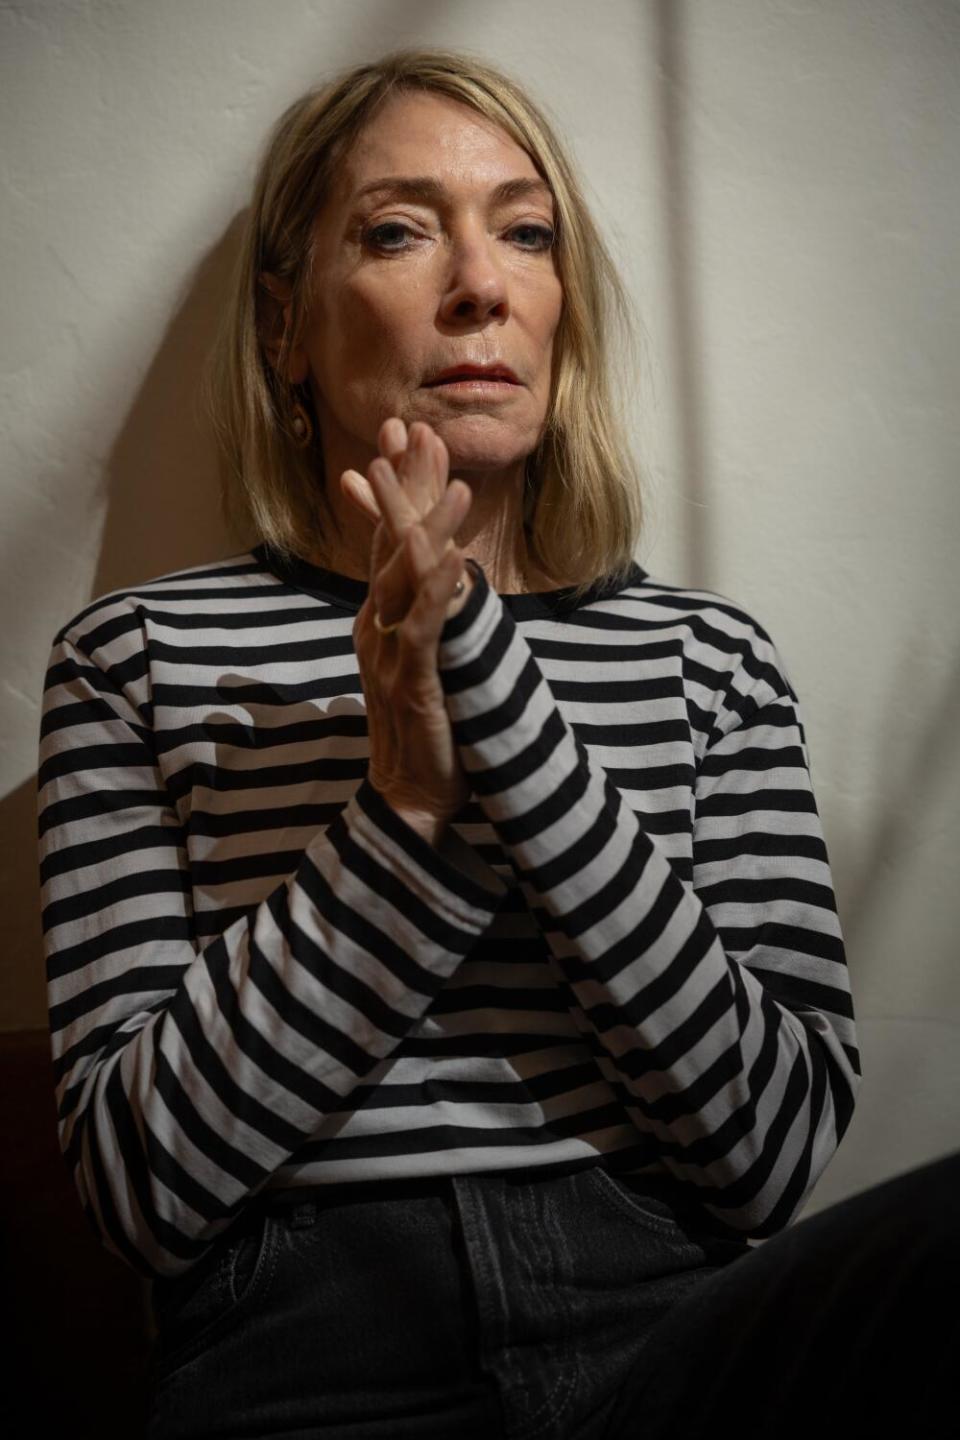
(385, 629)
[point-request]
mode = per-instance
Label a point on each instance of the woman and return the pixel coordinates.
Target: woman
(445, 978)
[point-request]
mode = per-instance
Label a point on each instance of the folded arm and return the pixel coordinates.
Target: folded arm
(186, 1076)
(723, 1006)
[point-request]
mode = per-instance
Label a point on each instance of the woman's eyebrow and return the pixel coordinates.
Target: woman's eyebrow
(430, 191)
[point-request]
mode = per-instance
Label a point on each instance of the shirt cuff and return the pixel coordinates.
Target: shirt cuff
(452, 873)
(459, 624)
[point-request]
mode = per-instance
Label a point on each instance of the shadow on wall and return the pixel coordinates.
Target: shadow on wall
(162, 514)
(162, 489)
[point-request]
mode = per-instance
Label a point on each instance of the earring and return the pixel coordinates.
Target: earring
(301, 426)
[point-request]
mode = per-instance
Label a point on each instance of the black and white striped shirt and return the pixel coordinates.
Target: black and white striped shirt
(625, 949)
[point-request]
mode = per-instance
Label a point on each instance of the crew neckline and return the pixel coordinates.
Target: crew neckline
(349, 594)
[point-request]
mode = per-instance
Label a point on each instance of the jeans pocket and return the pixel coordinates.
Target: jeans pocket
(195, 1308)
(653, 1212)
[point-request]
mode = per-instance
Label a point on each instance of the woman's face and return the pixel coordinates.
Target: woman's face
(433, 252)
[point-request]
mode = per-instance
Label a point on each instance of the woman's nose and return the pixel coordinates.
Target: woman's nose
(476, 284)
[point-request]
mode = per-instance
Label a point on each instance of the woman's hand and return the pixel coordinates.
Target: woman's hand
(420, 460)
(414, 760)
(407, 479)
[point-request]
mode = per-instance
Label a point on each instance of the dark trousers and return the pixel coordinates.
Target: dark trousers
(566, 1305)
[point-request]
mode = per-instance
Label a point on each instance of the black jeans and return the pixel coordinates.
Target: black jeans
(570, 1307)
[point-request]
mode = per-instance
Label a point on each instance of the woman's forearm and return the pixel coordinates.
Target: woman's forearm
(742, 1070)
(185, 1076)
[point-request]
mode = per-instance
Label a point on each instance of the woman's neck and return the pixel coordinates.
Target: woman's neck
(494, 536)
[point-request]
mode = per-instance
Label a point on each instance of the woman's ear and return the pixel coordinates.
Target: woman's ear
(274, 310)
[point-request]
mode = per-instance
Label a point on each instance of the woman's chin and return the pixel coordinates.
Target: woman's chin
(480, 442)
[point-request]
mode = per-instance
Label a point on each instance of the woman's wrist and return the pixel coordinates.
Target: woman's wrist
(458, 602)
(469, 602)
(411, 810)
(428, 827)
(469, 580)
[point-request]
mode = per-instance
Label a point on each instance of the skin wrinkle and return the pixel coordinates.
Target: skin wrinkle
(460, 283)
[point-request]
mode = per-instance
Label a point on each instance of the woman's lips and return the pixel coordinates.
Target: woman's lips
(467, 374)
(475, 386)
(475, 382)
(459, 380)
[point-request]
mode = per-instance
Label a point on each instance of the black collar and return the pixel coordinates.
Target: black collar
(349, 594)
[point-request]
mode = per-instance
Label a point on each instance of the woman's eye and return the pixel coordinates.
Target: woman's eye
(393, 235)
(388, 236)
(537, 237)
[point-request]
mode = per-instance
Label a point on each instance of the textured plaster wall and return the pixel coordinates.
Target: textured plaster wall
(779, 183)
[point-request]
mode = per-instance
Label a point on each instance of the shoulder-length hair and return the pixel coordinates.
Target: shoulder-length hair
(582, 501)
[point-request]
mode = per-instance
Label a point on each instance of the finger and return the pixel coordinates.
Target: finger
(427, 465)
(416, 473)
(421, 472)
(399, 577)
(439, 458)
(381, 550)
(393, 496)
(392, 439)
(444, 520)
(381, 720)
(395, 507)
(420, 631)
(440, 529)
(357, 490)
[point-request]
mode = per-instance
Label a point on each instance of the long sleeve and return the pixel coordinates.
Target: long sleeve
(186, 1075)
(722, 1003)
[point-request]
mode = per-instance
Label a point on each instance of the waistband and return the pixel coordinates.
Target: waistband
(345, 1192)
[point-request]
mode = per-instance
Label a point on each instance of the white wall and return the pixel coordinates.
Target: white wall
(779, 182)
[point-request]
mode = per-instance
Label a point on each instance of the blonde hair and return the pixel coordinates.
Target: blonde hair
(582, 503)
